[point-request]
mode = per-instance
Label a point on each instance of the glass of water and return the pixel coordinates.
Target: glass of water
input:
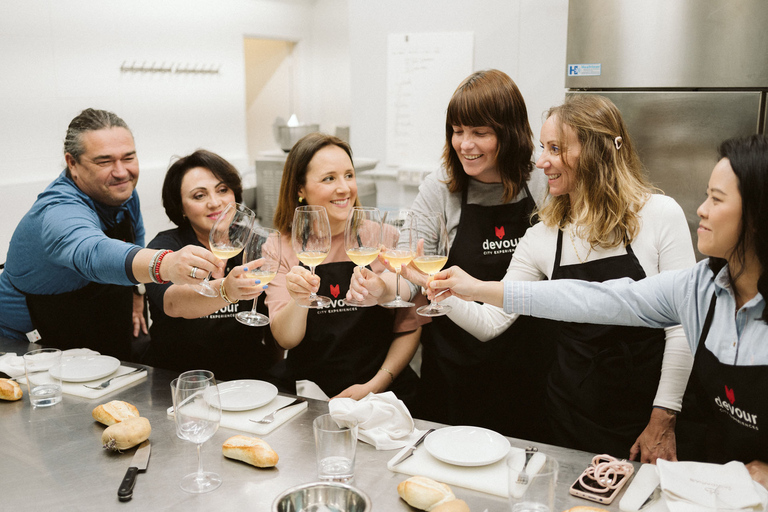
(532, 482)
(335, 447)
(42, 369)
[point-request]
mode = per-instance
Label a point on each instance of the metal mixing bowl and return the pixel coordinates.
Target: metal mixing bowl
(287, 136)
(323, 496)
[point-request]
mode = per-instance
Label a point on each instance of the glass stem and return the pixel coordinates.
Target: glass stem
(312, 295)
(200, 474)
(397, 284)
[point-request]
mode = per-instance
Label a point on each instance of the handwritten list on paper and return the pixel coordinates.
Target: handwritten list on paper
(423, 71)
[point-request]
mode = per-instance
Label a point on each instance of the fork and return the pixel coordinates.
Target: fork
(107, 382)
(269, 418)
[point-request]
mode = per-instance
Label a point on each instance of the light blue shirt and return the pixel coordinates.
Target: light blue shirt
(60, 246)
(669, 298)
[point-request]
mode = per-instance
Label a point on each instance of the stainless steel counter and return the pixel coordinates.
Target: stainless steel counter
(52, 460)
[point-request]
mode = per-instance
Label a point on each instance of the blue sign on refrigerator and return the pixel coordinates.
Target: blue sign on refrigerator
(584, 69)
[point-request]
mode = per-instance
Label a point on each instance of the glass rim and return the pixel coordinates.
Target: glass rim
(554, 464)
(41, 350)
(328, 416)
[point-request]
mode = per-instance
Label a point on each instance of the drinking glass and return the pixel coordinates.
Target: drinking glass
(335, 447)
(433, 237)
(311, 239)
(399, 243)
(532, 482)
(43, 369)
(362, 240)
(263, 243)
(197, 416)
(227, 238)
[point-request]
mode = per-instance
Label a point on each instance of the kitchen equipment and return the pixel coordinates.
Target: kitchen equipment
(314, 496)
(287, 136)
(269, 418)
(410, 450)
(139, 463)
(107, 382)
(686, 75)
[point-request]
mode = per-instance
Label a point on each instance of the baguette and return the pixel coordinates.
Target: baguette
(251, 450)
(424, 493)
(114, 412)
(10, 390)
(452, 506)
(126, 434)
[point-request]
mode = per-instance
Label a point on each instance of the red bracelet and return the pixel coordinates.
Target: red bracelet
(157, 267)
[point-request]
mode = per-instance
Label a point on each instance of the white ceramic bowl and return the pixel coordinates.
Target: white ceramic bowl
(333, 495)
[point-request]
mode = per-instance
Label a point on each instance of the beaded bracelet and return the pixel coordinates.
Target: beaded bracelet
(223, 293)
(151, 267)
(154, 274)
(391, 375)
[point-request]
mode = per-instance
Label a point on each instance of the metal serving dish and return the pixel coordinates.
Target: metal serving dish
(317, 496)
(287, 136)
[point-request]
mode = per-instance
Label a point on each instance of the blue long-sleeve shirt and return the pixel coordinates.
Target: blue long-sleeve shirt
(60, 246)
(681, 296)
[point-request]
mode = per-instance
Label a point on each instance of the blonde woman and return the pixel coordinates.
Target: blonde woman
(602, 222)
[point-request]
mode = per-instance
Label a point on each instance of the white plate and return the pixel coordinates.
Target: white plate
(85, 368)
(467, 446)
(242, 395)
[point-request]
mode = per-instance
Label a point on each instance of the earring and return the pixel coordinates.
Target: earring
(301, 199)
(617, 142)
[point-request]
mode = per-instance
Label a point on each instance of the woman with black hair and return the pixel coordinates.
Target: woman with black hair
(720, 302)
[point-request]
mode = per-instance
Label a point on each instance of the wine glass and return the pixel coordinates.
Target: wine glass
(263, 243)
(430, 228)
(227, 238)
(362, 240)
(197, 416)
(311, 239)
(399, 243)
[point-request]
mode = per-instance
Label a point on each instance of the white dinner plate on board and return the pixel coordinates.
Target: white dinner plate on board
(242, 395)
(85, 368)
(467, 446)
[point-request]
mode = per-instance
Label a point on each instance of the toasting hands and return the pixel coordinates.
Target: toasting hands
(300, 283)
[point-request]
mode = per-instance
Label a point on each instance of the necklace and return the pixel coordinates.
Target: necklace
(573, 243)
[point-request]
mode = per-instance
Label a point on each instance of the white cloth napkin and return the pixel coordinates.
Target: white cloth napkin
(13, 365)
(698, 486)
(382, 419)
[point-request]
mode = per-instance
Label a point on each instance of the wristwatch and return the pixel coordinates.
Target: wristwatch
(139, 289)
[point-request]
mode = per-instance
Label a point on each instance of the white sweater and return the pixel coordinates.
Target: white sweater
(663, 243)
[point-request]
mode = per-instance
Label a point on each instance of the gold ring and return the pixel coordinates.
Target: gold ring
(193, 273)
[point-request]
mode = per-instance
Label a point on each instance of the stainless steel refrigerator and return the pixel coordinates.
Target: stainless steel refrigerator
(686, 75)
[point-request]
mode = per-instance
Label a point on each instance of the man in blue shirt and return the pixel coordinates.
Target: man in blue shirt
(75, 256)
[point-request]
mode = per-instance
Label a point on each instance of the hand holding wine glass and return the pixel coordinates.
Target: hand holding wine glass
(227, 238)
(433, 241)
(311, 240)
(399, 243)
(197, 415)
(263, 244)
(362, 241)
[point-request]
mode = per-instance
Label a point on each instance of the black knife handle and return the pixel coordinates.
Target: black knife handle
(125, 492)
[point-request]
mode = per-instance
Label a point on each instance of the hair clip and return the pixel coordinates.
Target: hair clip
(617, 142)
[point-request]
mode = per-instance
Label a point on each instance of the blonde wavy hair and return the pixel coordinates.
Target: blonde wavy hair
(611, 186)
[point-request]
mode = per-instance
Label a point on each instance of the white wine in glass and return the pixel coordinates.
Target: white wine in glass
(263, 244)
(311, 240)
(430, 228)
(362, 240)
(197, 415)
(399, 245)
(227, 239)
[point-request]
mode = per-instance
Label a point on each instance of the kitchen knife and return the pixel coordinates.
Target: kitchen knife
(410, 450)
(139, 463)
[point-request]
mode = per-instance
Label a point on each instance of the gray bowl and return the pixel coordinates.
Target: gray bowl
(287, 136)
(315, 496)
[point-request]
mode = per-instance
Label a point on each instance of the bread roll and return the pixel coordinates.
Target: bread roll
(114, 412)
(452, 506)
(10, 390)
(586, 508)
(251, 450)
(424, 493)
(126, 434)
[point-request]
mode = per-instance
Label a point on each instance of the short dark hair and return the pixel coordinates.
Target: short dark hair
(491, 98)
(295, 175)
(89, 119)
(748, 157)
(220, 168)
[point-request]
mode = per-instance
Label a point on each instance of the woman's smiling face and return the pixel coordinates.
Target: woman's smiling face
(477, 147)
(559, 167)
(330, 182)
(720, 213)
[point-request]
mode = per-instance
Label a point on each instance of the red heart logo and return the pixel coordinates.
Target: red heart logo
(499, 232)
(335, 290)
(730, 394)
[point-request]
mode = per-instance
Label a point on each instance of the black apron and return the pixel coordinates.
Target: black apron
(344, 345)
(601, 391)
(97, 316)
(498, 384)
(733, 405)
(216, 342)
